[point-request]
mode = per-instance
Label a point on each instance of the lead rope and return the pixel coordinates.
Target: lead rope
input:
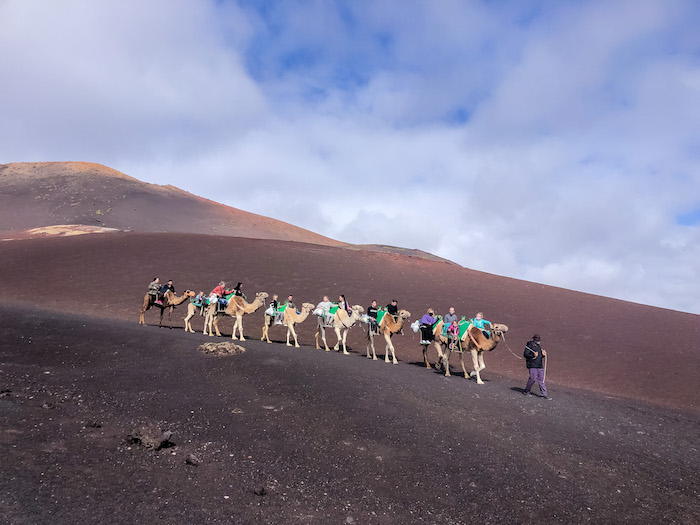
(503, 337)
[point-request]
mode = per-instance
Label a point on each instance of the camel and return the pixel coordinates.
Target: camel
(387, 327)
(341, 322)
(170, 301)
(191, 312)
(437, 329)
(473, 341)
(290, 317)
(237, 306)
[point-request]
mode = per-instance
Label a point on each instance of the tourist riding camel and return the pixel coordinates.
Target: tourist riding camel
(387, 327)
(341, 322)
(290, 317)
(472, 340)
(198, 303)
(237, 307)
(169, 301)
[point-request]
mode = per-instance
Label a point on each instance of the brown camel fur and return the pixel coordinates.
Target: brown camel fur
(342, 322)
(388, 327)
(170, 301)
(474, 342)
(290, 317)
(237, 306)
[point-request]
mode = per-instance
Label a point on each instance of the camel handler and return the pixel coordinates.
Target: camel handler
(534, 356)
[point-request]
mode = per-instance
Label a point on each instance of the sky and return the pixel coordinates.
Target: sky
(555, 142)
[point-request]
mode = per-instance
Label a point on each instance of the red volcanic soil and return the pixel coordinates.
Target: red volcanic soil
(36, 194)
(594, 343)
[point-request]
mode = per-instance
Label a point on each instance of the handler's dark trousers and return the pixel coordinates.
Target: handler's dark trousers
(536, 375)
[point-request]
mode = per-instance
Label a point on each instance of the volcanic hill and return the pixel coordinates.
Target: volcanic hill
(102, 419)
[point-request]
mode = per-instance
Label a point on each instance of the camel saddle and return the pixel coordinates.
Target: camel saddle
(464, 325)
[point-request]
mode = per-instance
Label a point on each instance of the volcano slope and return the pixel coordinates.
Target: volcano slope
(284, 435)
(594, 343)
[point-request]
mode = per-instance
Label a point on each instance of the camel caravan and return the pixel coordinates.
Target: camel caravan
(446, 334)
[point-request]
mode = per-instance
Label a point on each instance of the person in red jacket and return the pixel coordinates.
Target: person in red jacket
(221, 292)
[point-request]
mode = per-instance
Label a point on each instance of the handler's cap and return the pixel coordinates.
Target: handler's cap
(536, 337)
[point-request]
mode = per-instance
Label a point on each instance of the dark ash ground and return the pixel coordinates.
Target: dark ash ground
(284, 435)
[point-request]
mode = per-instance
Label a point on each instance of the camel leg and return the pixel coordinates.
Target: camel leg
(475, 361)
(370, 342)
(461, 362)
(325, 342)
(188, 327)
(441, 356)
(345, 336)
(425, 356)
(170, 317)
(389, 346)
(322, 331)
(160, 324)
(446, 361)
(290, 329)
(144, 308)
(438, 347)
(239, 324)
(240, 328)
(337, 333)
(216, 326)
(207, 324)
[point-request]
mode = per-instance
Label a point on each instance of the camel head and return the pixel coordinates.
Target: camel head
(357, 309)
(189, 293)
(500, 329)
(404, 314)
(261, 296)
(484, 344)
(307, 307)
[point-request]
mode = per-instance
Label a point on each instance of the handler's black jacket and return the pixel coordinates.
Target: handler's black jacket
(530, 360)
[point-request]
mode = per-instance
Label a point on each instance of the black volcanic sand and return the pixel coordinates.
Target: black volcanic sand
(284, 435)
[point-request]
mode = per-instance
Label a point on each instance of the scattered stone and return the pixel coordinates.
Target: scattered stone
(260, 492)
(150, 437)
(221, 348)
(191, 459)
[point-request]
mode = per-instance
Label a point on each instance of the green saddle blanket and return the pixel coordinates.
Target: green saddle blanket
(463, 325)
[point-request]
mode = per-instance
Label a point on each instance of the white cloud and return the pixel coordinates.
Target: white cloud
(562, 136)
